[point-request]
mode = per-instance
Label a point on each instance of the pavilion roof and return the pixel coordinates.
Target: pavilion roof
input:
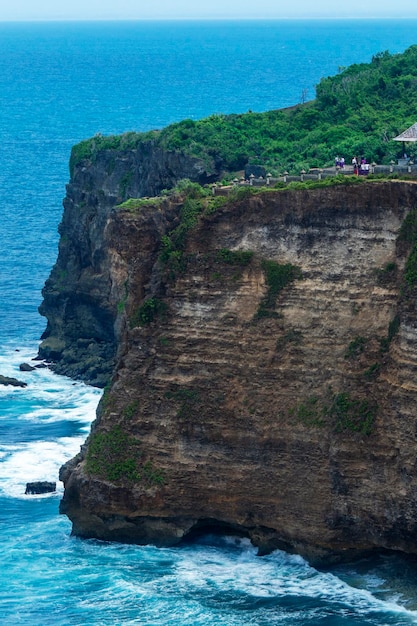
(408, 135)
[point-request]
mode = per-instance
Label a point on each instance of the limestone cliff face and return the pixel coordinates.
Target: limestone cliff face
(287, 415)
(81, 294)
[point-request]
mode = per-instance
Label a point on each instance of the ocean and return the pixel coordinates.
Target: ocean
(61, 83)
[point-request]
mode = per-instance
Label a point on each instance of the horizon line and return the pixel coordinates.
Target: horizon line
(206, 18)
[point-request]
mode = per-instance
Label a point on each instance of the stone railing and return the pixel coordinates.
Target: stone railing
(403, 168)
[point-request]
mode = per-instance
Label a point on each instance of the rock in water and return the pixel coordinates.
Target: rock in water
(25, 367)
(42, 486)
(14, 382)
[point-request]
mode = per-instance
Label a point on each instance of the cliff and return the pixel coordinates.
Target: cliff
(263, 385)
(81, 296)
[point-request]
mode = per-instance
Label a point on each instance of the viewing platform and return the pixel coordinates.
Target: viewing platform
(404, 167)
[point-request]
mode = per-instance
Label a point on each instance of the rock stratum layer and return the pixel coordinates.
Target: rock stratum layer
(284, 412)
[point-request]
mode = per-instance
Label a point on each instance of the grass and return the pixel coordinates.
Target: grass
(387, 274)
(310, 412)
(372, 372)
(113, 455)
(292, 336)
(343, 412)
(131, 409)
(116, 456)
(133, 205)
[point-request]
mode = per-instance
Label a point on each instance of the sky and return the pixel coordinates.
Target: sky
(11, 10)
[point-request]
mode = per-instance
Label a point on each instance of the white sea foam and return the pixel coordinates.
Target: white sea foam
(47, 400)
(203, 584)
(12, 355)
(35, 462)
(231, 570)
(279, 575)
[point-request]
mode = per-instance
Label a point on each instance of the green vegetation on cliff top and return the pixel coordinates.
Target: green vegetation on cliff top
(358, 111)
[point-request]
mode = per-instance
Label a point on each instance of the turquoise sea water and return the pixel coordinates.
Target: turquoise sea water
(60, 83)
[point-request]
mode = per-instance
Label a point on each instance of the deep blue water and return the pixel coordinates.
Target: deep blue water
(63, 82)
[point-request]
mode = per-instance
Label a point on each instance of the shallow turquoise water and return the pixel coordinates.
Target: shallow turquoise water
(60, 83)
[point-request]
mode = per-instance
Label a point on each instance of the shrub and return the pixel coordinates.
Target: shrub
(292, 336)
(408, 230)
(190, 189)
(393, 328)
(410, 273)
(151, 309)
(387, 274)
(356, 415)
(372, 372)
(116, 456)
(173, 244)
(355, 348)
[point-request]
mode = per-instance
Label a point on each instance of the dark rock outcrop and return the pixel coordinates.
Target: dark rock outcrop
(25, 367)
(40, 487)
(289, 418)
(9, 380)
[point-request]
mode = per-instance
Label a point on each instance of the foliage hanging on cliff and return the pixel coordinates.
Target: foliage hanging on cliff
(151, 309)
(235, 257)
(113, 455)
(342, 412)
(277, 276)
(408, 234)
(173, 243)
(116, 456)
(354, 414)
(187, 399)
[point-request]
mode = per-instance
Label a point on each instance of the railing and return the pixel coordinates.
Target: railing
(318, 174)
